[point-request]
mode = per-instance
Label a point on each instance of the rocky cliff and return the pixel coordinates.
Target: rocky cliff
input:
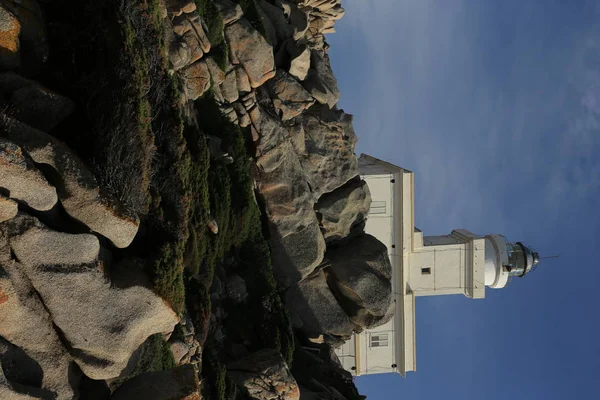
(180, 202)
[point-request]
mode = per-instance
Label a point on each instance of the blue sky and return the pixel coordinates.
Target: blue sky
(495, 105)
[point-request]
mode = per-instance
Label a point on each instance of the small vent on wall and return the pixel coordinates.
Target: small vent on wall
(378, 207)
(426, 271)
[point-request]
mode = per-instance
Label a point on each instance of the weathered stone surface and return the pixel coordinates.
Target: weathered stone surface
(290, 99)
(282, 28)
(179, 383)
(34, 45)
(249, 49)
(8, 208)
(313, 302)
(199, 30)
(296, 241)
(179, 351)
(188, 6)
(24, 182)
(242, 81)
(181, 25)
(297, 254)
(325, 378)
(361, 276)
(243, 117)
(299, 61)
(179, 54)
(320, 81)
(196, 78)
(195, 48)
(265, 376)
(270, 130)
(299, 19)
(329, 161)
(229, 88)
(343, 209)
(230, 12)
(176, 8)
(34, 350)
(78, 191)
(217, 75)
(64, 270)
(40, 107)
(10, 28)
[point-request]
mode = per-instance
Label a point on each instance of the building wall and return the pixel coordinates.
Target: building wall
(388, 185)
(377, 356)
(437, 269)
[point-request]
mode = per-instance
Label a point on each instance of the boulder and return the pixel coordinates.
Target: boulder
(265, 376)
(217, 75)
(320, 81)
(249, 49)
(199, 29)
(282, 29)
(65, 271)
(40, 107)
(194, 45)
(243, 117)
(179, 351)
(230, 12)
(296, 241)
(299, 61)
(8, 208)
(181, 24)
(343, 209)
(299, 19)
(180, 383)
(290, 99)
(229, 88)
(243, 84)
(297, 254)
(23, 181)
(179, 54)
(314, 304)
(196, 79)
(10, 28)
(328, 161)
(77, 190)
(176, 8)
(32, 349)
(360, 277)
(33, 42)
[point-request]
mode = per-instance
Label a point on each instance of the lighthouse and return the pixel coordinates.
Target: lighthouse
(460, 262)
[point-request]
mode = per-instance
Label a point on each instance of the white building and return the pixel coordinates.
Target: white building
(458, 263)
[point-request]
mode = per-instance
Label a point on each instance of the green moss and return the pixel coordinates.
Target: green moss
(215, 372)
(209, 12)
(155, 355)
(220, 54)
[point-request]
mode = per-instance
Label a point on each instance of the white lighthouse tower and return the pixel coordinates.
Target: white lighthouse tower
(458, 263)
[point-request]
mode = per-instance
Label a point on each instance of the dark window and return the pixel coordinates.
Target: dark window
(426, 271)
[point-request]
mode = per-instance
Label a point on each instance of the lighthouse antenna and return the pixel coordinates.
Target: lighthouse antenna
(543, 258)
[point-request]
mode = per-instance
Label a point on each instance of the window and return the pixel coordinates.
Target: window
(379, 340)
(378, 207)
(426, 271)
